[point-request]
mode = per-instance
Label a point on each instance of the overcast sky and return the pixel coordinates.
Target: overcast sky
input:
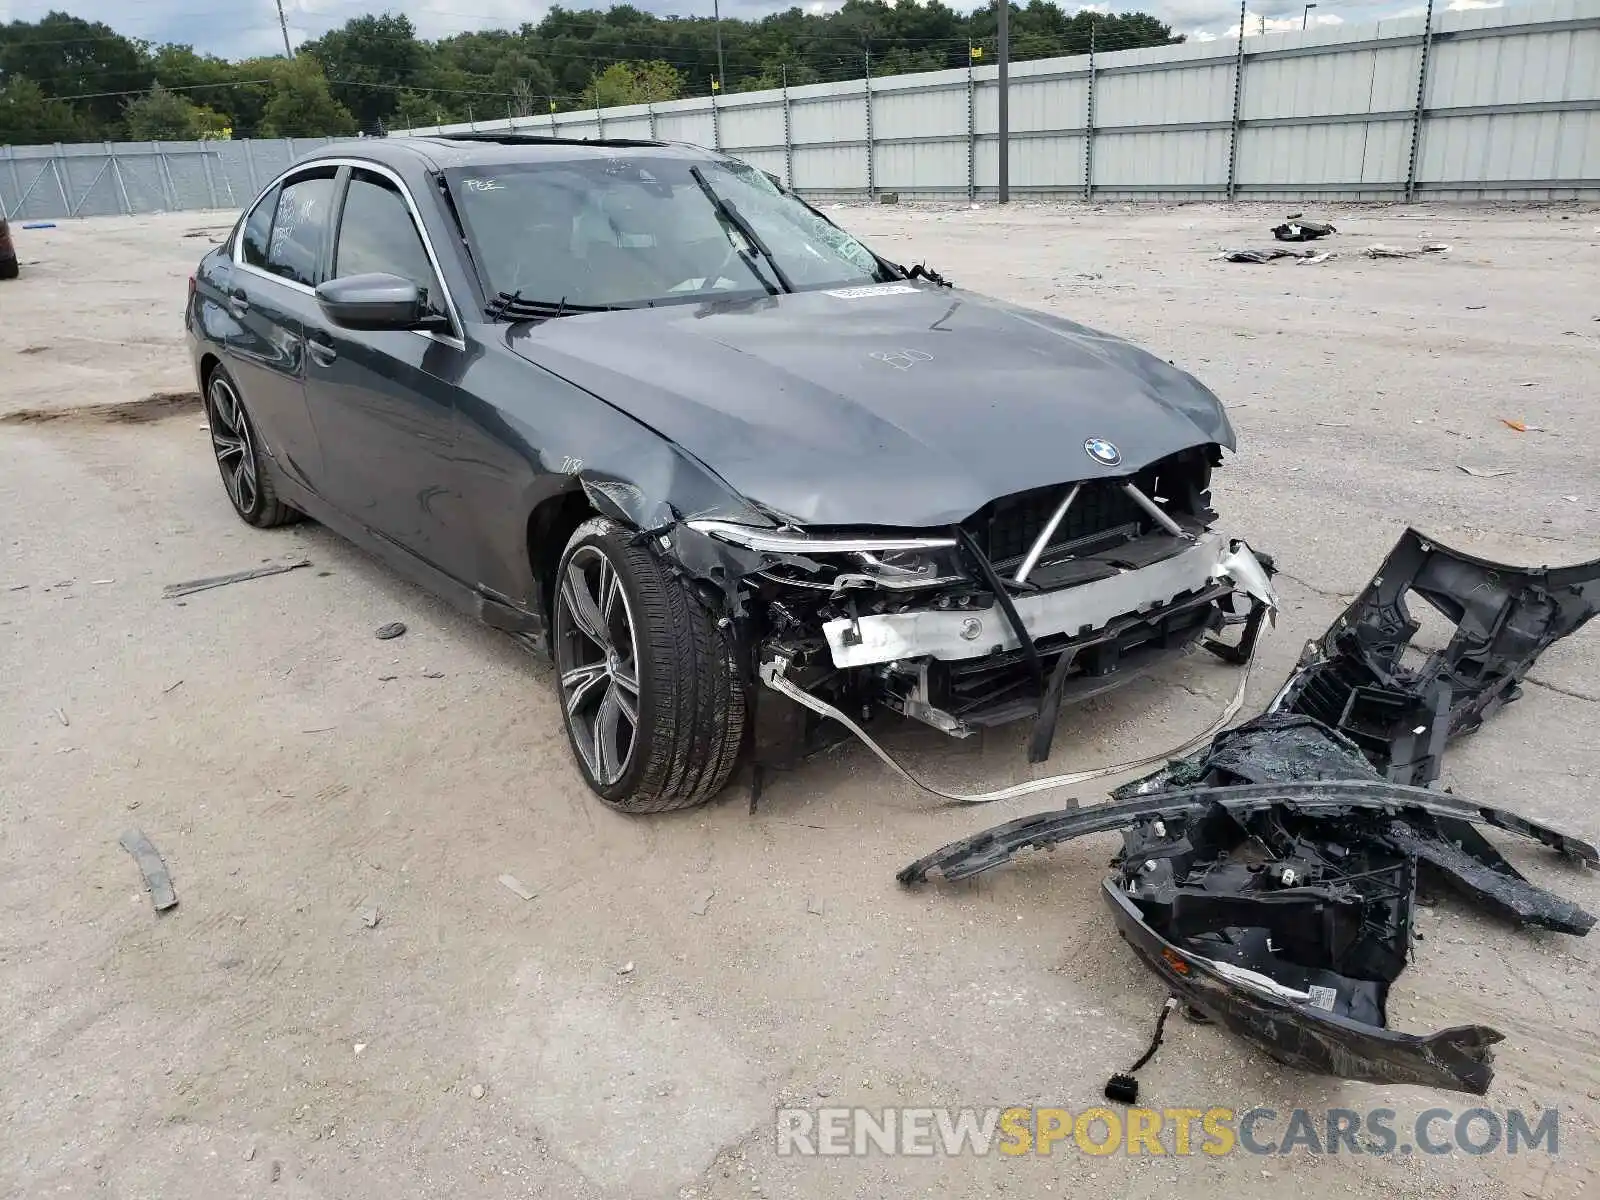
(251, 26)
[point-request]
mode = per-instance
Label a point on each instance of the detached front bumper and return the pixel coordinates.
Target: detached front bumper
(951, 635)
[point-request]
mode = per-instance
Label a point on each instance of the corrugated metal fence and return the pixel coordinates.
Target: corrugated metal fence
(1484, 104)
(100, 178)
(1494, 103)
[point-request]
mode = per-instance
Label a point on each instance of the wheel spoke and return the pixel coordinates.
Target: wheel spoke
(226, 445)
(580, 604)
(607, 732)
(628, 704)
(626, 679)
(579, 682)
(610, 584)
(239, 485)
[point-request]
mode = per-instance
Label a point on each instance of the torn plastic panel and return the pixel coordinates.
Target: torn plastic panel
(1355, 678)
(1284, 911)
(1271, 748)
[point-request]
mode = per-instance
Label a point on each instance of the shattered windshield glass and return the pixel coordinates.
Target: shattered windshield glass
(621, 232)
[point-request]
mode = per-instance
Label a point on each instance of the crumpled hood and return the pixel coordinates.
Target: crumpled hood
(892, 405)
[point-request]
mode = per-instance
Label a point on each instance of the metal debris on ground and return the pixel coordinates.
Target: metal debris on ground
(625, 969)
(1265, 254)
(702, 903)
(156, 876)
(1481, 473)
(188, 587)
(1519, 426)
(370, 917)
(1379, 250)
(61, 715)
(1297, 229)
(390, 631)
(512, 883)
(1270, 879)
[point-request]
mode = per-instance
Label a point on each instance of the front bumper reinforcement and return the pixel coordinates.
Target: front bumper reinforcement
(948, 634)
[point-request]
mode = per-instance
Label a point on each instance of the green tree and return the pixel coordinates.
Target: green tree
(28, 117)
(68, 57)
(416, 109)
(160, 115)
(368, 62)
(633, 83)
(302, 104)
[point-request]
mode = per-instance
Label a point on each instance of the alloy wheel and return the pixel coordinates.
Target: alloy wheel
(597, 653)
(234, 444)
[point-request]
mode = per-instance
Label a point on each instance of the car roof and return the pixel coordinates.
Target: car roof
(443, 151)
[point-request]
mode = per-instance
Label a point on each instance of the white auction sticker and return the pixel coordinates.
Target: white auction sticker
(1322, 997)
(876, 289)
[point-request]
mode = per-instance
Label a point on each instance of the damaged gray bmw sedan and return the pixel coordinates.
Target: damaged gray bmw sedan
(639, 405)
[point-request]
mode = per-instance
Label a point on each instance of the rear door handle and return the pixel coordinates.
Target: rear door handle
(238, 302)
(321, 352)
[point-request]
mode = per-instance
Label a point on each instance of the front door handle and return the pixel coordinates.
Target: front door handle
(238, 302)
(321, 352)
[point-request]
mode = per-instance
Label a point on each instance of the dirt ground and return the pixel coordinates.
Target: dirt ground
(620, 1034)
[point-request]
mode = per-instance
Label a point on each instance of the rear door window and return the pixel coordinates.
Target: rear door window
(378, 235)
(300, 227)
(257, 234)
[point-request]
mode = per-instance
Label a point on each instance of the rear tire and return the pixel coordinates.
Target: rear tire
(648, 682)
(244, 463)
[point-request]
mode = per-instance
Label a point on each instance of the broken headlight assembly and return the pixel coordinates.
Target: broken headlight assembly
(836, 562)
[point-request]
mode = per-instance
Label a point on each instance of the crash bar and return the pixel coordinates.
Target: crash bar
(1048, 532)
(1156, 511)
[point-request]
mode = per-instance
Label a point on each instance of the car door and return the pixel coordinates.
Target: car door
(384, 402)
(276, 265)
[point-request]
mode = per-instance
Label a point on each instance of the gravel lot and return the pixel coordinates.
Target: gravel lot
(620, 1034)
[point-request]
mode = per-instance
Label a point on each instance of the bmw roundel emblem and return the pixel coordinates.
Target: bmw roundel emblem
(1103, 452)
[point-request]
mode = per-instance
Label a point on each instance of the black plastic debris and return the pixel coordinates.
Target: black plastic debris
(1297, 229)
(1271, 748)
(1401, 706)
(1270, 879)
(1284, 911)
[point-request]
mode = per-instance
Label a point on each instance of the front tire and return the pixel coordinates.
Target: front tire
(648, 683)
(244, 464)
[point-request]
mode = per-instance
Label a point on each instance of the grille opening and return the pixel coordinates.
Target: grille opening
(1102, 517)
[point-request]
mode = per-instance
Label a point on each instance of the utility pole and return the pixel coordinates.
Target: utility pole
(1004, 54)
(1304, 14)
(288, 50)
(716, 17)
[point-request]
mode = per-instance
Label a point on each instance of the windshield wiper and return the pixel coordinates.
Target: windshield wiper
(510, 306)
(730, 213)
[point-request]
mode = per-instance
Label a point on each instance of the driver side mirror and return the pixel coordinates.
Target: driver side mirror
(377, 302)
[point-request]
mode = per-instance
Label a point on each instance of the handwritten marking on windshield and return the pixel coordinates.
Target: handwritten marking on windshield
(902, 360)
(484, 185)
(875, 289)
